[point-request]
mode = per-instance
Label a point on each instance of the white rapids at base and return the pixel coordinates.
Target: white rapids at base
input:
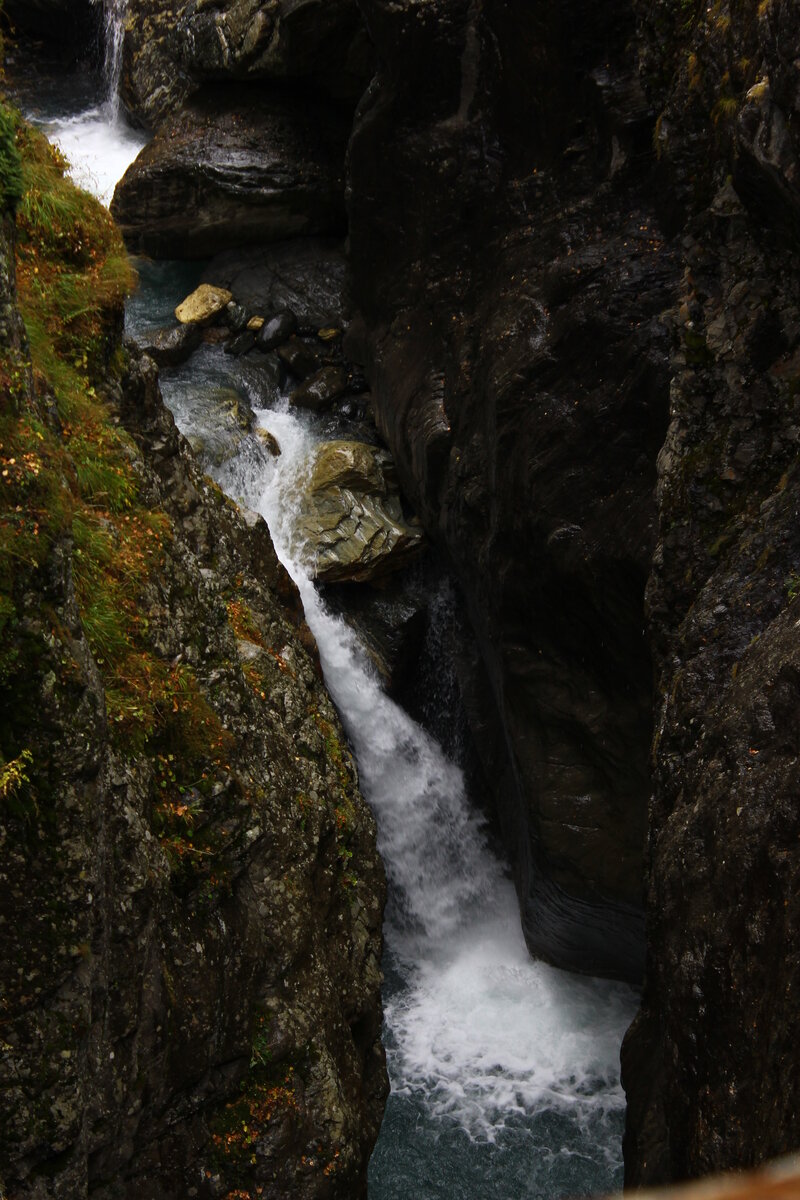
(99, 146)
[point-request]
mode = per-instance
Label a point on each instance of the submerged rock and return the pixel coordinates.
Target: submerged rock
(224, 417)
(171, 347)
(269, 440)
(351, 520)
(234, 167)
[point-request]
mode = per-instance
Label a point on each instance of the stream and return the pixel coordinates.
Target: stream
(504, 1071)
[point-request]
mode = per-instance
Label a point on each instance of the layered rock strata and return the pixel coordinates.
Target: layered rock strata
(234, 167)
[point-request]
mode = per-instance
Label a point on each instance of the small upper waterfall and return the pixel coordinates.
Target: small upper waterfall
(114, 13)
(96, 139)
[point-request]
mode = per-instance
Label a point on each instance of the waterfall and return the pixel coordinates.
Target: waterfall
(114, 13)
(504, 1071)
(97, 141)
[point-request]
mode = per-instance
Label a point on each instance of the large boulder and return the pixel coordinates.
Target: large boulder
(171, 46)
(204, 304)
(235, 166)
(171, 347)
(351, 521)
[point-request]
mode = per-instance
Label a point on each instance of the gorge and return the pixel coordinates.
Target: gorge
(572, 296)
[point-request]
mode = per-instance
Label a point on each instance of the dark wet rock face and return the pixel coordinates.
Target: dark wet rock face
(235, 166)
(173, 46)
(75, 23)
(301, 281)
(510, 286)
(574, 233)
(711, 1064)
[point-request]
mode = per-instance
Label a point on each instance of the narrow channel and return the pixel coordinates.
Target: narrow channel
(505, 1072)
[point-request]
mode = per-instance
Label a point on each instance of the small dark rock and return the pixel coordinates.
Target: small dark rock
(299, 358)
(320, 391)
(235, 317)
(276, 330)
(243, 343)
(357, 382)
(170, 347)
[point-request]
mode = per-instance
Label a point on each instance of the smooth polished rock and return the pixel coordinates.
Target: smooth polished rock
(236, 166)
(276, 330)
(171, 347)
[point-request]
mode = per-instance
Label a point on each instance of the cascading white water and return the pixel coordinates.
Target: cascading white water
(480, 1031)
(505, 1080)
(497, 1062)
(114, 14)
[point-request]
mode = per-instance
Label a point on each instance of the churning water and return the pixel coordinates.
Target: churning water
(505, 1076)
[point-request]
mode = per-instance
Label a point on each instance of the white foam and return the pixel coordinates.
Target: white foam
(100, 147)
(480, 1031)
(486, 1033)
(98, 142)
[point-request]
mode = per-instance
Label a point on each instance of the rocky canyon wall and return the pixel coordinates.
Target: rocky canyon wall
(191, 900)
(719, 1008)
(511, 272)
(573, 236)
